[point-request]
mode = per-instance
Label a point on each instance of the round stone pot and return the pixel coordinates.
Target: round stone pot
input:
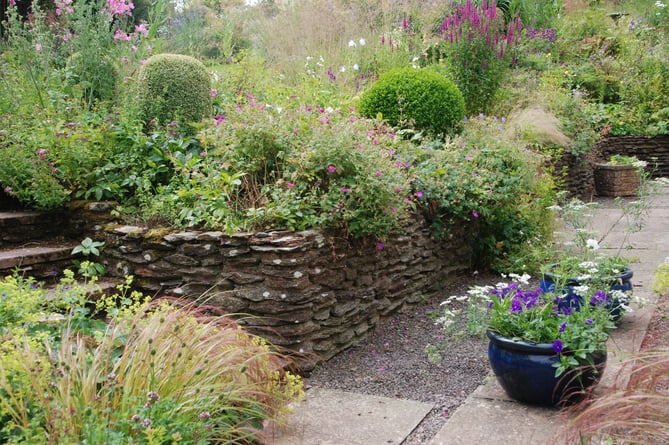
(621, 282)
(526, 373)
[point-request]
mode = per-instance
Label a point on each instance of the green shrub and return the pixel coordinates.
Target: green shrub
(488, 188)
(95, 76)
(174, 87)
(421, 98)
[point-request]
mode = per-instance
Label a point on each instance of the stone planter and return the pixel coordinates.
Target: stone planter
(616, 180)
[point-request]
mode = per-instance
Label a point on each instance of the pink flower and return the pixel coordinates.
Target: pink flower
(38, 46)
(141, 28)
(203, 153)
(380, 246)
(120, 35)
(331, 168)
(120, 7)
(379, 173)
(291, 185)
(475, 214)
(214, 92)
(345, 190)
(419, 194)
(219, 118)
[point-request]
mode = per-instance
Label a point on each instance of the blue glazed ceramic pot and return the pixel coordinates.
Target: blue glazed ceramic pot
(525, 371)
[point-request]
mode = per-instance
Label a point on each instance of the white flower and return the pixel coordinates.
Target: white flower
(524, 278)
(342, 69)
(351, 43)
(356, 67)
(592, 244)
(362, 41)
(581, 290)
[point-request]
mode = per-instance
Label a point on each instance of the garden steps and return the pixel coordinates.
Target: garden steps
(38, 261)
(18, 227)
(35, 243)
(102, 287)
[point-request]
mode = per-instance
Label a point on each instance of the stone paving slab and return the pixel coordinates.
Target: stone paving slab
(495, 421)
(332, 417)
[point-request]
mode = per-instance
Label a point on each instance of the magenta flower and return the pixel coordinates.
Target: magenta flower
(291, 185)
(219, 118)
(214, 93)
(475, 214)
(419, 194)
(331, 168)
(143, 30)
(379, 173)
(380, 246)
(345, 190)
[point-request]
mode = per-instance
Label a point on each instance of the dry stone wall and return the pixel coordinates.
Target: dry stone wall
(650, 149)
(312, 292)
(576, 174)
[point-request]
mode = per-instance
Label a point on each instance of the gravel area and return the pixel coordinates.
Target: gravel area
(392, 362)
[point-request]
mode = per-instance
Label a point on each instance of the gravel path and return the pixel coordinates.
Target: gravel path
(392, 362)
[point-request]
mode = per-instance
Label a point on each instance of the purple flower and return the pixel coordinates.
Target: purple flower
(516, 306)
(380, 246)
(563, 326)
(331, 168)
(557, 346)
(588, 321)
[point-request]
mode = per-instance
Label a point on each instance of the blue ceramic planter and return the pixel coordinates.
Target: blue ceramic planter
(525, 371)
(621, 281)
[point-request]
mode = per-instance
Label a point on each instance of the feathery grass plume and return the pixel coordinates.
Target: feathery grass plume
(169, 372)
(635, 414)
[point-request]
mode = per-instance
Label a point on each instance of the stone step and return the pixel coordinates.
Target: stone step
(22, 226)
(104, 286)
(37, 261)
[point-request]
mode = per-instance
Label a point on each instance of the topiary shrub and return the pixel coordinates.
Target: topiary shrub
(173, 87)
(423, 99)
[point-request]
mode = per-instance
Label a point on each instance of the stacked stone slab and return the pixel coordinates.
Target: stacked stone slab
(312, 292)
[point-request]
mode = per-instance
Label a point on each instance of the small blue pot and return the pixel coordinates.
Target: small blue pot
(526, 372)
(621, 281)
